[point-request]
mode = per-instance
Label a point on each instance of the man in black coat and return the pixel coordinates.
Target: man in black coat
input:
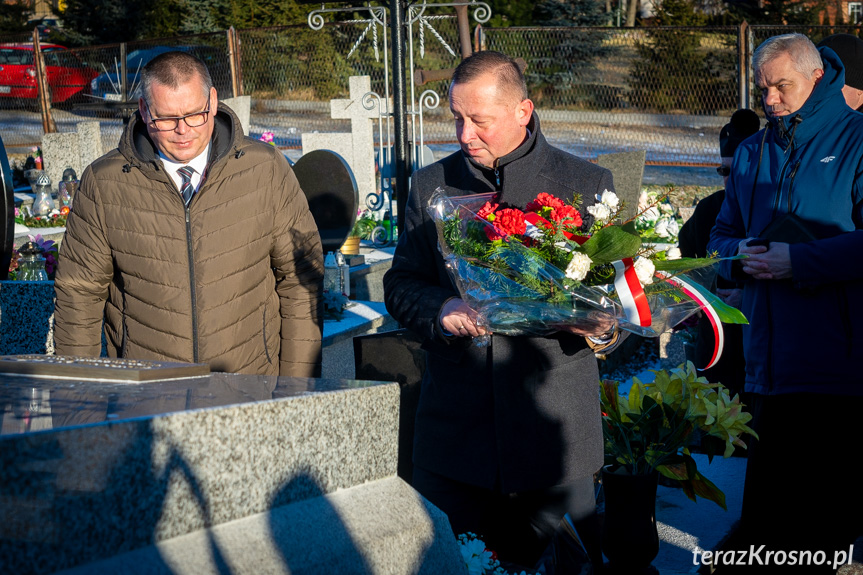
(508, 436)
(693, 238)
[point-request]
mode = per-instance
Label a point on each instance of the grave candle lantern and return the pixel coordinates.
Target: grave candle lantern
(43, 203)
(67, 188)
(344, 273)
(31, 263)
(332, 274)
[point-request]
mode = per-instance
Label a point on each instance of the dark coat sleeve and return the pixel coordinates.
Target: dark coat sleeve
(414, 291)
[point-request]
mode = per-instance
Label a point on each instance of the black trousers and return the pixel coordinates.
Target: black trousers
(803, 489)
(516, 526)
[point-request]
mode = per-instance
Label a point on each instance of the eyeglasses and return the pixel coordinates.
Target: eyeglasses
(170, 124)
(723, 171)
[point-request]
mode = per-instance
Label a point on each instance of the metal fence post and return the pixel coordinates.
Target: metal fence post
(44, 91)
(397, 20)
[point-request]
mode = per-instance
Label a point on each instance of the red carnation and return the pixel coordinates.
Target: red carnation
(567, 215)
(507, 222)
(543, 200)
(511, 221)
(485, 211)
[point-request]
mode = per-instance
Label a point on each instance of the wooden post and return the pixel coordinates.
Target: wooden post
(42, 87)
(234, 59)
(743, 59)
(463, 31)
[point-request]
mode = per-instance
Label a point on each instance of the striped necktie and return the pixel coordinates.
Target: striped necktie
(186, 189)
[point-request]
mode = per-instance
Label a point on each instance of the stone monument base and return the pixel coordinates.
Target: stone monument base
(379, 527)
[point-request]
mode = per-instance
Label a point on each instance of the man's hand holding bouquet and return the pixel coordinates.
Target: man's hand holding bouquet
(536, 271)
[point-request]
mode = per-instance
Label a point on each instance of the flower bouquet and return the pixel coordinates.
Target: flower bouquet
(530, 272)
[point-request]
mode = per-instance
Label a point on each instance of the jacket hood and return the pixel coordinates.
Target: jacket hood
(137, 147)
(826, 99)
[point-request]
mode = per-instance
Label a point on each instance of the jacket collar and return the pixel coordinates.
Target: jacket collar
(517, 170)
(819, 109)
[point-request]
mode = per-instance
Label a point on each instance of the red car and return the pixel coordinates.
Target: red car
(68, 77)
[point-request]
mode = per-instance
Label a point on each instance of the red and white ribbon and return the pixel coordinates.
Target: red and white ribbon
(715, 323)
(631, 293)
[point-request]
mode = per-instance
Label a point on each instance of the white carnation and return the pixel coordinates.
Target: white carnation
(578, 266)
(673, 253)
(600, 212)
(666, 208)
(661, 228)
(673, 227)
(610, 199)
(650, 215)
(644, 269)
(476, 558)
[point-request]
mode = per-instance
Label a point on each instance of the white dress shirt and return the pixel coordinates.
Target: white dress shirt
(198, 163)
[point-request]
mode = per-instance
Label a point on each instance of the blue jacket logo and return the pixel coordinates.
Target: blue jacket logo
(827, 159)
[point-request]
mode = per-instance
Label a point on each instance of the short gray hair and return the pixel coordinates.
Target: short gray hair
(507, 75)
(803, 53)
(172, 69)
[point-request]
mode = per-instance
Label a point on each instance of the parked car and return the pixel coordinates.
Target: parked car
(45, 26)
(106, 86)
(68, 77)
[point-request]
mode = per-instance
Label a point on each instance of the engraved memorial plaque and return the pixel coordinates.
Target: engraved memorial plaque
(98, 368)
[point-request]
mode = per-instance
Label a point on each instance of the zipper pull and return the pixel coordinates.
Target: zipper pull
(497, 177)
(791, 183)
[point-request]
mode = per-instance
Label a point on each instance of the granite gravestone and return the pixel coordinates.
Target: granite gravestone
(332, 193)
(7, 213)
(628, 171)
(201, 475)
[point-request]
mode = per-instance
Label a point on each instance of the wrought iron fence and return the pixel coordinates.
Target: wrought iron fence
(598, 90)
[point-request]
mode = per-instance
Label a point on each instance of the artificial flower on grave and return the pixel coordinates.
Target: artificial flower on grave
(268, 137)
(335, 305)
(657, 221)
(529, 272)
(50, 251)
(55, 219)
(13, 265)
(652, 426)
(364, 225)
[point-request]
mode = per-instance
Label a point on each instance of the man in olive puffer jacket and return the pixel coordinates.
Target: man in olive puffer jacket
(219, 264)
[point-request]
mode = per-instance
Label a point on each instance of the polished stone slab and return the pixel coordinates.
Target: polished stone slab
(89, 470)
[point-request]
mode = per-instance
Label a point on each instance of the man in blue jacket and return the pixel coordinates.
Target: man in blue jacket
(797, 186)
